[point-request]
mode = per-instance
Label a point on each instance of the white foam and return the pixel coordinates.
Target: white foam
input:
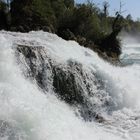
(36, 116)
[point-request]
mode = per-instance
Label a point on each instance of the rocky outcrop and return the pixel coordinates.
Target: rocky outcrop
(70, 81)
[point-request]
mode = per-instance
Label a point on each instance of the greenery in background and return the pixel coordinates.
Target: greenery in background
(3, 15)
(85, 23)
(32, 14)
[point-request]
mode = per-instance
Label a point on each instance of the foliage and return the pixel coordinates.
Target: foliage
(32, 13)
(4, 20)
(69, 3)
(68, 20)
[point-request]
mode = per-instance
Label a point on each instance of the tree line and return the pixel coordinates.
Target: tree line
(86, 23)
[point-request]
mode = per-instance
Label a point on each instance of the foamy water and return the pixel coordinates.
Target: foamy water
(26, 113)
(131, 51)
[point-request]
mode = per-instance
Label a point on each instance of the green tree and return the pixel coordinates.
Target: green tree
(69, 3)
(129, 17)
(59, 8)
(32, 13)
(4, 16)
(87, 22)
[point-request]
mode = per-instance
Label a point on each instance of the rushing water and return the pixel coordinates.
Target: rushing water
(131, 51)
(26, 113)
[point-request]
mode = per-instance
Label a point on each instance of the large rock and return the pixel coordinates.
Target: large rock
(71, 81)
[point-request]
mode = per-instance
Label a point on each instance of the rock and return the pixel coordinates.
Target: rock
(81, 40)
(67, 34)
(71, 82)
(46, 29)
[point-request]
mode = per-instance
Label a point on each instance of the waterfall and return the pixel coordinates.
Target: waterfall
(52, 89)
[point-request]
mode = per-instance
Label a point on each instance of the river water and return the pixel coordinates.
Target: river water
(26, 113)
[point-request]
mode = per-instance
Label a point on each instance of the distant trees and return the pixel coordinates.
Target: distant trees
(32, 14)
(131, 26)
(86, 20)
(68, 20)
(4, 16)
(82, 20)
(69, 3)
(38, 14)
(129, 17)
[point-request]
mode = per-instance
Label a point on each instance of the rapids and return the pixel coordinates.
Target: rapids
(33, 107)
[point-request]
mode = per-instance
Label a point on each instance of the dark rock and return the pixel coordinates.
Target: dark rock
(46, 29)
(71, 82)
(66, 34)
(66, 85)
(81, 40)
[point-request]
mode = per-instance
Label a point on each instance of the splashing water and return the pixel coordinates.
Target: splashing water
(26, 113)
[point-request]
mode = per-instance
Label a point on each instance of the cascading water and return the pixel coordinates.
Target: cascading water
(51, 89)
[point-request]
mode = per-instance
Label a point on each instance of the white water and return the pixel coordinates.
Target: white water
(32, 115)
(131, 51)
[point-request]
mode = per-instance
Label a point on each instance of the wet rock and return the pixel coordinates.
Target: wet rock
(71, 81)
